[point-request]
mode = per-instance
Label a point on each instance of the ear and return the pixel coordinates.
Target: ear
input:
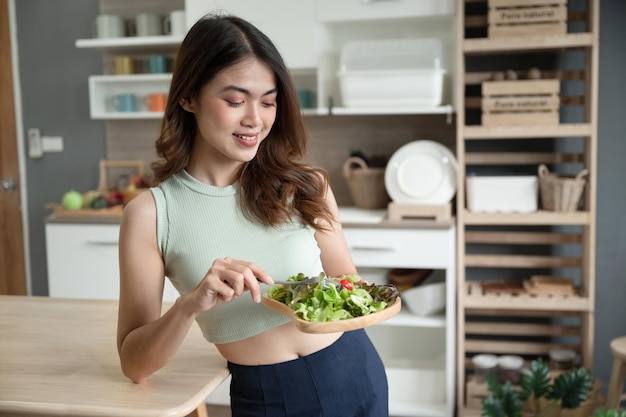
(187, 105)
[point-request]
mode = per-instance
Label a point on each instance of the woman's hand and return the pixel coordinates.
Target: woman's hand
(225, 281)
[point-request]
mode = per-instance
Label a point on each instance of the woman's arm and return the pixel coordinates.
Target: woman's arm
(146, 340)
(336, 257)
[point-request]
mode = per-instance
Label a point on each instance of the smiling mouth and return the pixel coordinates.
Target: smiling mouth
(246, 137)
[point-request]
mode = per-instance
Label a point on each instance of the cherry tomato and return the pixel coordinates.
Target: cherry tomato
(347, 284)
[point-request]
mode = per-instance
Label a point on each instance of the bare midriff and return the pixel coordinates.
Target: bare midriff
(280, 344)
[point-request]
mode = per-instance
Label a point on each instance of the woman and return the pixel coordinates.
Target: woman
(233, 209)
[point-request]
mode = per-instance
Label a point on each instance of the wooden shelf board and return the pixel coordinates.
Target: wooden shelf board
(541, 217)
(520, 261)
(521, 158)
(520, 329)
(515, 347)
(521, 238)
(527, 43)
(473, 298)
(517, 132)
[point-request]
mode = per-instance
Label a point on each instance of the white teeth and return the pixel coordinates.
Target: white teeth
(245, 137)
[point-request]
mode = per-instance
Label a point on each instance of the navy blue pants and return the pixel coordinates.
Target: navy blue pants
(346, 379)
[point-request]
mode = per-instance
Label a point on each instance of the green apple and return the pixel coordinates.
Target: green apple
(72, 200)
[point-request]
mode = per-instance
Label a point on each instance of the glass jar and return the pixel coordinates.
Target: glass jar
(484, 364)
(562, 359)
(510, 369)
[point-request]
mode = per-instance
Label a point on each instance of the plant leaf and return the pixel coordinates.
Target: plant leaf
(504, 401)
(572, 388)
(492, 407)
(536, 382)
(493, 385)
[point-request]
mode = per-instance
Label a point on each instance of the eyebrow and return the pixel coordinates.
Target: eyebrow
(246, 91)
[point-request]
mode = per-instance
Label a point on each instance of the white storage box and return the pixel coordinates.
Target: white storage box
(502, 194)
(391, 73)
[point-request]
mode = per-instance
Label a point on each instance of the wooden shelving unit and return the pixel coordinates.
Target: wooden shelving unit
(510, 247)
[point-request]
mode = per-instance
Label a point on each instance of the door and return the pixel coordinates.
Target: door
(12, 266)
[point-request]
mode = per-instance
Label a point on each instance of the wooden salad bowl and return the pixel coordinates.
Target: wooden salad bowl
(334, 326)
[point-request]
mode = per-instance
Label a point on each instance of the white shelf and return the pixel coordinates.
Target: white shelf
(129, 42)
(127, 116)
(418, 352)
(407, 319)
(446, 109)
(103, 87)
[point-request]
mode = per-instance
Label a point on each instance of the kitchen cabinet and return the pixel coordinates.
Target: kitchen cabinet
(418, 352)
(289, 24)
(508, 247)
(353, 10)
(83, 261)
(311, 34)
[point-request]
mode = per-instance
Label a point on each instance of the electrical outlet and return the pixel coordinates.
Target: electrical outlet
(52, 143)
(35, 148)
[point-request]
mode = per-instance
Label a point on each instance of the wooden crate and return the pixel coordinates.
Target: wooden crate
(509, 18)
(520, 102)
(397, 211)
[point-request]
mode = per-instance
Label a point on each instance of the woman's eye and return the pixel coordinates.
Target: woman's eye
(269, 104)
(234, 103)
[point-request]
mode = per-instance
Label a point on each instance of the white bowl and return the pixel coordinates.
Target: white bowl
(426, 299)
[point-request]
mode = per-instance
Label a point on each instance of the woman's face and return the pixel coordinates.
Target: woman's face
(235, 112)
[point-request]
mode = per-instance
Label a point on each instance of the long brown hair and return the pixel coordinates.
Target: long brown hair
(274, 186)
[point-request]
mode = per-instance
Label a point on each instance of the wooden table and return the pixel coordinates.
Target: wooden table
(58, 357)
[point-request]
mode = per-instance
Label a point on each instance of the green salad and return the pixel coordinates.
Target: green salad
(332, 299)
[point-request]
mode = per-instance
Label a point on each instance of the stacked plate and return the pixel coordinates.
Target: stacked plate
(421, 172)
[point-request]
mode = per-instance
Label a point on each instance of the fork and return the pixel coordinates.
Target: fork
(311, 280)
(326, 282)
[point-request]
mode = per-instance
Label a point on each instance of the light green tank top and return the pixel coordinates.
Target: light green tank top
(198, 223)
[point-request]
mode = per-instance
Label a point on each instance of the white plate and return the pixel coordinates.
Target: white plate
(421, 172)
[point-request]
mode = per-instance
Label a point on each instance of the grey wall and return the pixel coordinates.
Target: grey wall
(611, 219)
(53, 77)
(54, 74)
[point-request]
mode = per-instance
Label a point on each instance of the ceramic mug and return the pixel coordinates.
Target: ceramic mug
(109, 26)
(148, 24)
(155, 101)
(157, 64)
(124, 103)
(174, 23)
(123, 65)
(307, 98)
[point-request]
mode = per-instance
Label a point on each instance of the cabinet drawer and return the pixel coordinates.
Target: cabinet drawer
(401, 248)
(83, 262)
(346, 10)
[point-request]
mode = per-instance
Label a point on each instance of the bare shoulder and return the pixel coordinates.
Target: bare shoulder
(140, 211)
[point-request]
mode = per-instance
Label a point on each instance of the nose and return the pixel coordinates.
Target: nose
(252, 117)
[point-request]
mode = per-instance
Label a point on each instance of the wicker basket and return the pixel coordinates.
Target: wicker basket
(367, 185)
(560, 193)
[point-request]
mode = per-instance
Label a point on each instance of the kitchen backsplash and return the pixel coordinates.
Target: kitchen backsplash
(331, 139)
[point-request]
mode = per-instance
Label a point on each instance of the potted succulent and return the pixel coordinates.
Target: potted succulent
(538, 393)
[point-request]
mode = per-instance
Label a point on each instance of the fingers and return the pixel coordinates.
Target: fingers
(242, 275)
